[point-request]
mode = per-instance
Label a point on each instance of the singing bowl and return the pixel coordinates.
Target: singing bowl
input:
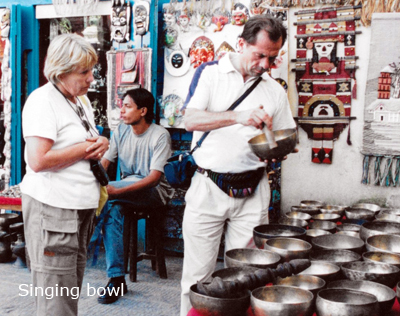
(268, 231)
(281, 300)
(324, 270)
(333, 209)
(392, 211)
(324, 225)
(336, 241)
(311, 283)
(349, 227)
(385, 295)
(6, 219)
(326, 217)
(259, 258)
(385, 217)
(207, 305)
(385, 274)
(369, 206)
(344, 302)
(314, 203)
(337, 257)
(384, 243)
(359, 213)
(378, 228)
(382, 258)
(311, 233)
(285, 139)
(348, 233)
(289, 248)
(234, 273)
(292, 222)
(298, 215)
(311, 210)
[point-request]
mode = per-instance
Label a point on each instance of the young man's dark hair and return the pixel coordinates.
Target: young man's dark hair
(143, 99)
(274, 27)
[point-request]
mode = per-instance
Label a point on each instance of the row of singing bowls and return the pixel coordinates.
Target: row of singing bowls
(288, 248)
(264, 232)
(384, 243)
(335, 256)
(378, 228)
(281, 300)
(382, 258)
(385, 274)
(384, 294)
(345, 302)
(336, 241)
(324, 225)
(259, 258)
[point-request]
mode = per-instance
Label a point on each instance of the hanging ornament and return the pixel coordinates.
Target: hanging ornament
(176, 62)
(141, 10)
(120, 20)
(223, 49)
(201, 51)
(240, 14)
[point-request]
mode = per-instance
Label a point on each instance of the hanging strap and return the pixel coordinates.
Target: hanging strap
(231, 108)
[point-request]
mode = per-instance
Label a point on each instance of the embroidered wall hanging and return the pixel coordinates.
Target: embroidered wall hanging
(325, 75)
(381, 136)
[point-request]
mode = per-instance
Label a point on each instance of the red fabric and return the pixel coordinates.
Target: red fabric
(9, 201)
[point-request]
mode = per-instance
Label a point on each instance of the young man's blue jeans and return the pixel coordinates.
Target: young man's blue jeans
(114, 223)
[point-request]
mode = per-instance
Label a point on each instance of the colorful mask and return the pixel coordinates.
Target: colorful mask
(220, 18)
(170, 36)
(141, 11)
(183, 21)
(223, 49)
(5, 23)
(176, 62)
(240, 14)
(256, 7)
(170, 107)
(201, 51)
(120, 20)
(169, 16)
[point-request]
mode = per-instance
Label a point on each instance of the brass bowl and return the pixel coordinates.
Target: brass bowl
(349, 227)
(324, 225)
(324, 270)
(338, 256)
(314, 203)
(386, 217)
(311, 283)
(292, 222)
(289, 248)
(333, 209)
(378, 228)
(311, 233)
(207, 305)
(234, 273)
(369, 206)
(385, 295)
(264, 232)
(311, 210)
(327, 217)
(244, 257)
(281, 300)
(385, 274)
(336, 241)
(348, 233)
(384, 243)
(298, 215)
(359, 213)
(6, 219)
(344, 302)
(285, 139)
(382, 257)
(391, 211)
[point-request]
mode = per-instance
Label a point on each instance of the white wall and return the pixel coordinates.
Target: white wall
(340, 182)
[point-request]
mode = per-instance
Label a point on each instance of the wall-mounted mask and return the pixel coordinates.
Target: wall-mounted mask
(256, 7)
(176, 62)
(5, 23)
(170, 109)
(240, 14)
(183, 21)
(169, 16)
(223, 49)
(220, 18)
(201, 51)
(141, 11)
(120, 20)
(170, 36)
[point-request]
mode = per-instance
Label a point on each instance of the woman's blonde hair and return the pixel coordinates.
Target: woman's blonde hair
(65, 54)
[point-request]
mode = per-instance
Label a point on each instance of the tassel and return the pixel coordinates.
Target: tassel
(348, 136)
(387, 175)
(354, 90)
(365, 175)
(396, 175)
(377, 170)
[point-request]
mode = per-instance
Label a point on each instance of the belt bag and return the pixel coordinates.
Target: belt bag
(180, 168)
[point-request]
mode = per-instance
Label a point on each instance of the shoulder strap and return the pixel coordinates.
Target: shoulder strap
(231, 108)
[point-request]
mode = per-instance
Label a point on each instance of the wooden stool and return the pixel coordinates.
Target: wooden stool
(154, 250)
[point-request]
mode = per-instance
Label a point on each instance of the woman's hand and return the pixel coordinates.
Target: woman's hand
(98, 148)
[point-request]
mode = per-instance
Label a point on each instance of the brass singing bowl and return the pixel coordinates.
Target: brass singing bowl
(289, 248)
(382, 257)
(234, 273)
(311, 283)
(311, 233)
(314, 203)
(345, 302)
(259, 258)
(292, 222)
(369, 206)
(385, 274)
(325, 270)
(324, 225)
(384, 243)
(6, 219)
(348, 233)
(359, 213)
(333, 209)
(267, 231)
(336, 241)
(387, 217)
(298, 215)
(378, 228)
(335, 256)
(392, 211)
(281, 300)
(326, 217)
(311, 210)
(349, 227)
(285, 139)
(385, 295)
(207, 305)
